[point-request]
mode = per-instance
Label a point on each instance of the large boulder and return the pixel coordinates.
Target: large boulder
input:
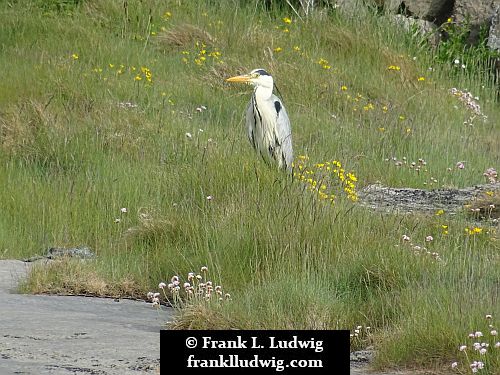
(430, 10)
(477, 12)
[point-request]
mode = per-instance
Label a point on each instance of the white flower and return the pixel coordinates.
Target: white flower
(405, 237)
(497, 344)
(483, 351)
(429, 238)
(457, 61)
(187, 285)
(476, 346)
(156, 295)
(204, 269)
(189, 135)
(493, 333)
(480, 365)
(123, 210)
(162, 285)
(478, 334)
(454, 364)
(209, 198)
(462, 348)
(150, 295)
(117, 220)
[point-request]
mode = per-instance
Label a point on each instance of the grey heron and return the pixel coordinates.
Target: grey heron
(268, 125)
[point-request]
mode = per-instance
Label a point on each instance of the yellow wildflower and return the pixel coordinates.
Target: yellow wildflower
(287, 20)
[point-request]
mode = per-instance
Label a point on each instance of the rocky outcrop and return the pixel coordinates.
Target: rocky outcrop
(424, 28)
(475, 13)
(494, 35)
(81, 252)
(408, 200)
(430, 10)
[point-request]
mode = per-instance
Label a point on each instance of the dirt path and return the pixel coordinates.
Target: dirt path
(74, 335)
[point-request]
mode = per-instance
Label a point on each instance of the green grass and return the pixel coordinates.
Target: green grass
(71, 158)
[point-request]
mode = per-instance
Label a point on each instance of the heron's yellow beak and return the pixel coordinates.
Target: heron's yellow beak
(243, 79)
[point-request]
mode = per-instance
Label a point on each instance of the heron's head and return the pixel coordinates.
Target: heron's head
(257, 78)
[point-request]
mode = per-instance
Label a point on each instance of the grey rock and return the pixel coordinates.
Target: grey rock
(477, 12)
(494, 35)
(82, 252)
(430, 10)
(380, 197)
(64, 335)
(78, 252)
(361, 358)
(420, 28)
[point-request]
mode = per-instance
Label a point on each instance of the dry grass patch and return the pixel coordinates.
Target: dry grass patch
(75, 277)
(201, 316)
(486, 205)
(21, 124)
(183, 36)
(153, 227)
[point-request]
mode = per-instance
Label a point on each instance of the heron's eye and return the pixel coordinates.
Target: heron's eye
(255, 75)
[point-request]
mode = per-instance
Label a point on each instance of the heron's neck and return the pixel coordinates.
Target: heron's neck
(263, 93)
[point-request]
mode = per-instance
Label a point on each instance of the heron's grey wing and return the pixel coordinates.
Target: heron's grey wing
(284, 131)
(251, 122)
